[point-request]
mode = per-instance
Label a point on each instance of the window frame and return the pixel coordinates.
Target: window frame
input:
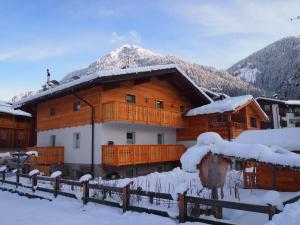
(159, 102)
(133, 138)
(182, 108)
(76, 140)
(130, 96)
(52, 111)
(52, 140)
(253, 119)
(76, 106)
(162, 136)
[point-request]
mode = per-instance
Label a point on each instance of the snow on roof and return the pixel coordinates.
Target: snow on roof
(6, 107)
(288, 138)
(97, 75)
(287, 102)
(292, 102)
(212, 142)
(226, 105)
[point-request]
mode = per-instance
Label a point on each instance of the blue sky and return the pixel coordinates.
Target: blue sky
(68, 35)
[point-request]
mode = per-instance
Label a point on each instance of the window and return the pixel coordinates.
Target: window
(76, 106)
(130, 138)
(52, 111)
(160, 139)
(252, 122)
(267, 108)
(159, 104)
(76, 140)
(130, 98)
(52, 140)
(182, 108)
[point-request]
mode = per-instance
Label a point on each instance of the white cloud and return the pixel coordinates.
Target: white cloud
(131, 36)
(242, 17)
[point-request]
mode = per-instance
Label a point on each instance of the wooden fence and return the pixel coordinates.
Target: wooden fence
(183, 203)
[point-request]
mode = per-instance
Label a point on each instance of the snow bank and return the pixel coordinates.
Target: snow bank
(226, 105)
(273, 198)
(56, 174)
(261, 153)
(3, 168)
(33, 153)
(289, 216)
(33, 172)
(85, 178)
(287, 138)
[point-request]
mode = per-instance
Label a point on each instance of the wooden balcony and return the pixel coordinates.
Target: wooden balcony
(47, 155)
(124, 155)
(132, 113)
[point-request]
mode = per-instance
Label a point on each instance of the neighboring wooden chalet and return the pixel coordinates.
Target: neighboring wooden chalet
(281, 113)
(15, 128)
(117, 119)
(228, 117)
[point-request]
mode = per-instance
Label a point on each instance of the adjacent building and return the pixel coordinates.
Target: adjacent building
(15, 128)
(281, 113)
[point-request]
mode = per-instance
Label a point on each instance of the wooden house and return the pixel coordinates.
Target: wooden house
(123, 120)
(228, 117)
(15, 128)
(281, 113)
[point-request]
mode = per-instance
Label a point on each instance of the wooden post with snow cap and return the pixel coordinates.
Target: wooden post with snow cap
(126, 197)
(34, 181)
(85, 188)
(272, 211)
(2, 170)
(56, 176)
(17, 178)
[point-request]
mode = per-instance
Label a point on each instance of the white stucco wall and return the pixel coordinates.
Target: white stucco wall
(187, 144)
(115, 132)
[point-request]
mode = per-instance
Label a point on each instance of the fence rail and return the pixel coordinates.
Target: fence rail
(125, 194)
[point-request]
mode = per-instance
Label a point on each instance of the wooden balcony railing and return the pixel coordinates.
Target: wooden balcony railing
(122, 155)
(47, 155)
(120, 111)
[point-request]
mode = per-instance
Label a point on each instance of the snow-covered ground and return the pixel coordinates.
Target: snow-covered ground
(68, 211)
(16, 210)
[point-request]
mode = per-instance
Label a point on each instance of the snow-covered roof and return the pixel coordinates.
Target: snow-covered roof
(6, 107)
(98, 75)
(287, 102)
(212, 142)
(292, 102)
(288, 138)
(228, 104)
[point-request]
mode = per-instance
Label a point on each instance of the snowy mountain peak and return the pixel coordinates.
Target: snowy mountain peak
(130, 50)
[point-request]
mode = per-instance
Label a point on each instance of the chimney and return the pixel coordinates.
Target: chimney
(48, 76)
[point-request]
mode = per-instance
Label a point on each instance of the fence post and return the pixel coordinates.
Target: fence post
(126, 198)
(34, 181)
(272, 211)
(3, 176)
(85, 192)
(182, 208)
(56, 186)
(17, 179)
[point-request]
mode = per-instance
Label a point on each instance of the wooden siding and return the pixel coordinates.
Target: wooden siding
(228, 125)
(261, 178)
(102, 98)
(15, 132)
(65, 116)
(122, 155)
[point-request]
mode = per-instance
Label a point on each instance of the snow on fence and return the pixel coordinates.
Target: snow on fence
(123, 198)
